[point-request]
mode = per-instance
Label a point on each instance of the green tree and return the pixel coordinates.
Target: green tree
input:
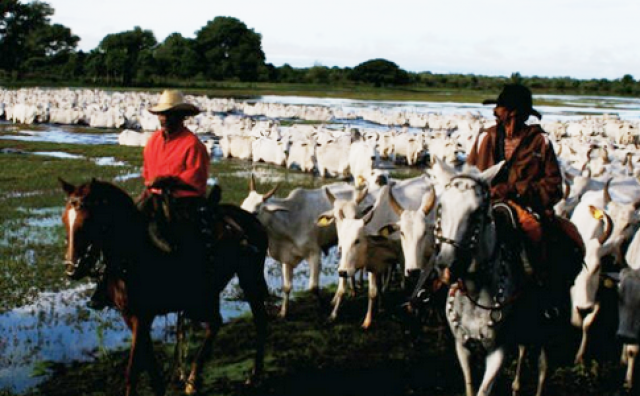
(123, 53)
(318, 74)
(19, 23)
(230, 50)
(380, 72)
(177, 57)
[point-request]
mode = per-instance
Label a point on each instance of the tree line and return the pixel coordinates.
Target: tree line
(225, 49)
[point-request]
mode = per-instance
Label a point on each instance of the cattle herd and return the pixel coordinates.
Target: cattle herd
(376, 221)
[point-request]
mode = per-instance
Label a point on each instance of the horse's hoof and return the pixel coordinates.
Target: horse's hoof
(190, 389)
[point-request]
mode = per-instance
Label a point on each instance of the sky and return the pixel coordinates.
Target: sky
(582, 39)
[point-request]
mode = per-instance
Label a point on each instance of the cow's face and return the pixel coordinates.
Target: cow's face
(352, 246)
(253, 202)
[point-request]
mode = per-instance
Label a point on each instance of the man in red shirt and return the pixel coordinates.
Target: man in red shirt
(175, 172)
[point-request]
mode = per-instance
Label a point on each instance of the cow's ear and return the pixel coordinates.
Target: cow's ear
(325, 219)
(66, 187)
(388, 229)
(596, 213)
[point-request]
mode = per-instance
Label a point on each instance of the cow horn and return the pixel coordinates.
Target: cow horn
(606, 194)
(330, 196)
(589, 153)
(252, 183)
(362, 195)
(608, 228)
(368, 217)
(395, 205)
(567, 189)
(605, 155)
(431, 202)
(270, 193)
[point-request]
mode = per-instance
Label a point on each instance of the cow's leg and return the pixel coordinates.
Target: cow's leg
(373, 293)
(586, 325)
(211, 329)
(543, 365)
(631, 354)
(337, 298)
(315, 265)
(287, 275)
(515, 385)
(464, 357)
(493, 364)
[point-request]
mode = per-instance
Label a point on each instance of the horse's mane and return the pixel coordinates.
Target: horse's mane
(111, 194)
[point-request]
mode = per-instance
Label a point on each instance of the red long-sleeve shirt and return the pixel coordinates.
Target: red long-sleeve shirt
(182, 155)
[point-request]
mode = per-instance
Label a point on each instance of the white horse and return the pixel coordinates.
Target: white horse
(489, 301)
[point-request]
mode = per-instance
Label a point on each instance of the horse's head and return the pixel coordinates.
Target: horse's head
(462, 214)
(87, 224)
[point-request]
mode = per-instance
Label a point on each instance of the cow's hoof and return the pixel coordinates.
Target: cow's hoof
(253, 379)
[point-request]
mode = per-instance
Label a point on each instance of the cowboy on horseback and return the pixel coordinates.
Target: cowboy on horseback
(526, 189)
(175, 172)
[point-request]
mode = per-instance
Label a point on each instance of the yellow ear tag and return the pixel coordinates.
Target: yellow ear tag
(608, 283)
(323, 222)
(385, 232)
(598, 214)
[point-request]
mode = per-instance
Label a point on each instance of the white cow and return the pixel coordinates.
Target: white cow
(293, 234)
(302, 156)
(270, 151)
(236, 146)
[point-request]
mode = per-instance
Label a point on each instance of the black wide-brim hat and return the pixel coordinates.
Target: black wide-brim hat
(515, 96)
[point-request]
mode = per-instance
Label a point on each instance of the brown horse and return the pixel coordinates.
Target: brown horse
(103, 222)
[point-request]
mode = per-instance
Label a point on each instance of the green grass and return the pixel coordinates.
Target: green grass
(306, 355)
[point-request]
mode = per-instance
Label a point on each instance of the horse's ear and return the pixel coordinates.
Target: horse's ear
(67, 187)
(442, 171)
(490, 173)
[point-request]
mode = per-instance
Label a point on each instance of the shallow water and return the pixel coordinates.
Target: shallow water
(575, 107)
(62, 134)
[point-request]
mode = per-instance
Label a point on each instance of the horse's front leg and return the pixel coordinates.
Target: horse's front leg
(141, 356)
(516, 384)
(464, 357)
(493, 362)
(543, 366)
(180, 349)
(211, 330)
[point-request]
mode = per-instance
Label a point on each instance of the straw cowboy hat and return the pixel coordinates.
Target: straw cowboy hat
(173, 101)
(515, 96)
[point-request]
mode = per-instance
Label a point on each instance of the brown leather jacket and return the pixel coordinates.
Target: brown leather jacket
(533, 179)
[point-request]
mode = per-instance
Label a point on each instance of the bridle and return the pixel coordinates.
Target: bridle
(479, 218)
(91, 251)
